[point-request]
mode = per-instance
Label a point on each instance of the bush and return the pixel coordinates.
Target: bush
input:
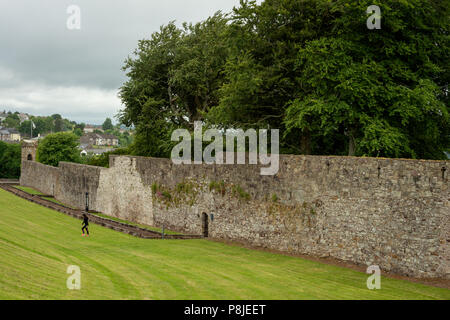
(57, 147)
(10, 157)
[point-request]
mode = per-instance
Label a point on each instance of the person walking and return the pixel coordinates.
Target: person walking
(85, 225)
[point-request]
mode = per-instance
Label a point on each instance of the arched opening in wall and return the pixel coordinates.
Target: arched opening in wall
(204, 224)
(30, 157)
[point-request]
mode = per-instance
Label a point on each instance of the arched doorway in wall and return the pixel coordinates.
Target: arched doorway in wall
(30, 157)
(204, 224)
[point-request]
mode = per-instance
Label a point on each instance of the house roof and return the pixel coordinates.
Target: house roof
(9, 131)
(93, 126)
(108, 136)
(86, 138)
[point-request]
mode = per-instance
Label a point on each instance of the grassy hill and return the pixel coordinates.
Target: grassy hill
(38, 244)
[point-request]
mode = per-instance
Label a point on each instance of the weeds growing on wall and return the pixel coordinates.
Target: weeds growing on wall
(217, 186)
(184, 193)
(238, 191)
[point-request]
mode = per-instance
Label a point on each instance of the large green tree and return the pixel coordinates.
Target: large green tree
(384, 90)
(310, 68)
(107, 124)
(173, 81)
(56, 147)
(260, 69)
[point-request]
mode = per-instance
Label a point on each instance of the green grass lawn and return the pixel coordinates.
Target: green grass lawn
(168, 232)
(51, 199)
(38, 244)
(29, 190)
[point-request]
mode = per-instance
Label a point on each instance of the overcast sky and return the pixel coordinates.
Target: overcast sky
(45, 68)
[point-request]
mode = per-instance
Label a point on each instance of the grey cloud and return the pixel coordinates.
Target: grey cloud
(38, 52)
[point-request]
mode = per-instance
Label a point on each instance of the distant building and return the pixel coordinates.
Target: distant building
(89, 128)
(23, 117)
(99, 139)
(94, 151)
(9, 135)
(3, 116)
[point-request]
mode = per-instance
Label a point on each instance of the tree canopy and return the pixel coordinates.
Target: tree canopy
(10, 157)
(44, 125)
(56, 147)
(107, 124)
(310, 68)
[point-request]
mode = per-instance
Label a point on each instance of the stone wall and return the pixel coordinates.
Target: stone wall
(117, 191)
(74, 181)
(393, 213)
(390, 212)
(122, 193)
(39, 176)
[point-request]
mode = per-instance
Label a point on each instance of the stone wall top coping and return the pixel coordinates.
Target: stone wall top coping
(315, 157)
(64, 163)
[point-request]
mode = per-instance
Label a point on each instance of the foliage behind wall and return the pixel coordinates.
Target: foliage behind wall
(310, 68)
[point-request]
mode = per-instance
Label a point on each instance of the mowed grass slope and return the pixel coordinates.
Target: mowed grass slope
(38, 244)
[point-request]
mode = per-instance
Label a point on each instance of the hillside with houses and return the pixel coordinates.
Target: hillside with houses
(16, 126)
(93, 142)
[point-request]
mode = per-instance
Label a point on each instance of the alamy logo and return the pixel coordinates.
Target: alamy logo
(374, 21)
(74, 20)
(374, 281)
(213, 153)
(74, 280)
